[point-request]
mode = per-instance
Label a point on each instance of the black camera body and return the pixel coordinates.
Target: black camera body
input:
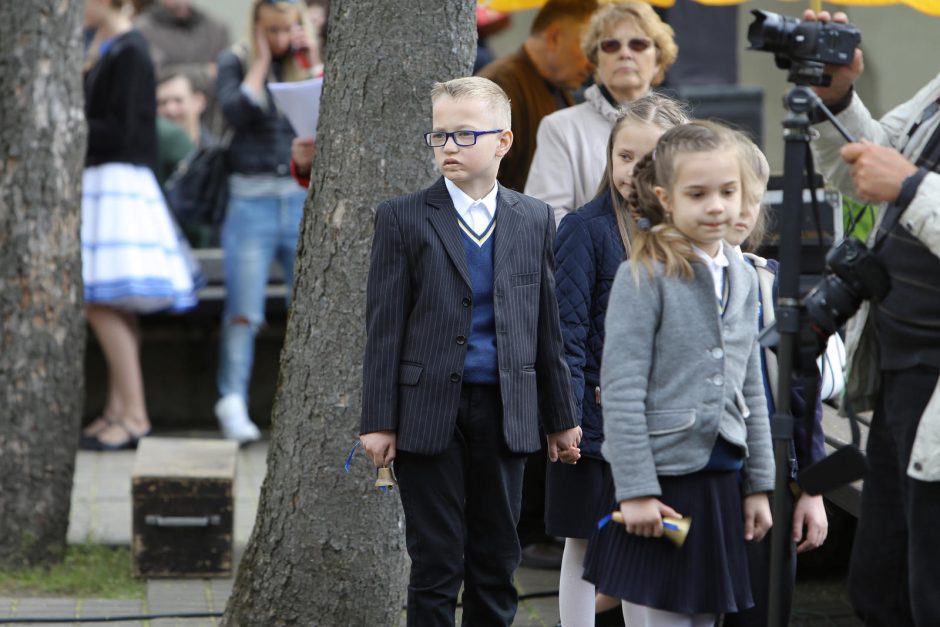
(797, 44)
(853, 274)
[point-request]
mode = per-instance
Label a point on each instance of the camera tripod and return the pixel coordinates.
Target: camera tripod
(793, 355)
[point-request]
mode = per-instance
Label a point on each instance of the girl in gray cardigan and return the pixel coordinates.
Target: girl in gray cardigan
(685, 417)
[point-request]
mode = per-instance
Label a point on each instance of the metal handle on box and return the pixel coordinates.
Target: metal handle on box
(183, 521)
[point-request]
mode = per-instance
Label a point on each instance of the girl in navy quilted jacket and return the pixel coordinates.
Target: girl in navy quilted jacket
(590, 246)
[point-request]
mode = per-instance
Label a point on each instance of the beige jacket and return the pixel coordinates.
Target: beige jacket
(922, 219)
(570, 158)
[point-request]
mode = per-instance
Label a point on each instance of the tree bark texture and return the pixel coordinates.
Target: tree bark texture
(327, 547)
(42, 335)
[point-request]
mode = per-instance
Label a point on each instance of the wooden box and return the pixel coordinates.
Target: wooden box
(183, 499)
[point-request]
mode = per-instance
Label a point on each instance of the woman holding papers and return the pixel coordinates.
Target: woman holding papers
(265, 207)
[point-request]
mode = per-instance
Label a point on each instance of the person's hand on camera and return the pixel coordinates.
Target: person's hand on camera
(843, 76)
(810, 524)
(878, 171)
(757, 520)
(643, 516)
(302, 151)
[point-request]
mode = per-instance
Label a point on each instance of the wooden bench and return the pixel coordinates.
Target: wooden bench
(212, 295)
(183, 501)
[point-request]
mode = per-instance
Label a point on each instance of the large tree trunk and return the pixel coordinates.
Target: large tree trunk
(42, 332)
(327, 547)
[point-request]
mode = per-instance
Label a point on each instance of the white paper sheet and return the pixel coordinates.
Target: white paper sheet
(300, 102)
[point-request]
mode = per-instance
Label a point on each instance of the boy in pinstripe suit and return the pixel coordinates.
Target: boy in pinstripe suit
(463, 358)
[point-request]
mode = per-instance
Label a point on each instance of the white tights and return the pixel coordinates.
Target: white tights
(641, 616)
(575, 595)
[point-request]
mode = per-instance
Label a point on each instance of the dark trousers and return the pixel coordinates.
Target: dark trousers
(894, 575)
(461, 510)
(758, 563)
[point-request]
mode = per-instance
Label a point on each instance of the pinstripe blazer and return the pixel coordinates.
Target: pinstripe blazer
(418, 311)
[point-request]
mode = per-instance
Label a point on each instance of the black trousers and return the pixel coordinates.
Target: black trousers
(461, 511)
(894, 574)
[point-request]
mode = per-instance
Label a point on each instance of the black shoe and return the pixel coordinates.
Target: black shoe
(93, 443)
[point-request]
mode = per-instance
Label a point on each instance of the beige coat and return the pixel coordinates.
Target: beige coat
(922, 219)
(570, 154)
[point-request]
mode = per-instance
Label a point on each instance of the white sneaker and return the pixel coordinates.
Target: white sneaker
(234, 421)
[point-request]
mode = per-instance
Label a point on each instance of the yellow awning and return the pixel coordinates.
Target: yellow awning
(930, 7)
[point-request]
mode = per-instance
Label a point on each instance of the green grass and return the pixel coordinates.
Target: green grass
(88, 571)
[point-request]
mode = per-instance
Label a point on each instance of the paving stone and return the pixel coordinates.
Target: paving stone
(245, 512)
(112, 607)
(6, 606)
(221, 590)
(46, 608)
(111, 522)
(79, 523)
(177, 595)
(86, 467)
(114, 480)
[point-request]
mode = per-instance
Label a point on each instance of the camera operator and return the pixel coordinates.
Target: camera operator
(894, 353)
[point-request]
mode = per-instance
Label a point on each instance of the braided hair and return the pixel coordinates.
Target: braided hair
(657, 239)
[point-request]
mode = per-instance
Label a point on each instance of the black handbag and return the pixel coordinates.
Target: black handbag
(197, 191)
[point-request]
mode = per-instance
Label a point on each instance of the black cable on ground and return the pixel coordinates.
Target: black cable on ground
(140, 617)
(109, 619)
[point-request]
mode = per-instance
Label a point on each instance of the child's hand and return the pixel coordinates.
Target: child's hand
(302, 151)
(757, 521)
(563, 445)
(380, 446)
(810, 524)
(643, 516)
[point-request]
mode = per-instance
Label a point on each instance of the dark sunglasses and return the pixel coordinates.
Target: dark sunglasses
(636, 44)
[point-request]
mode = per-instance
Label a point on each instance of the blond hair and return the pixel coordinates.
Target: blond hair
(483, 89)
(292, 69)
(652, 109)
(642, 14)
(657, 240)
(755, 173)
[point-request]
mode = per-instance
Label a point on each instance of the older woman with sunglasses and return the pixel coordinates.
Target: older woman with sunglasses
(630, 48)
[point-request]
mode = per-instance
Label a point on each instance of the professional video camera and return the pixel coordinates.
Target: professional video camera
(804, 48)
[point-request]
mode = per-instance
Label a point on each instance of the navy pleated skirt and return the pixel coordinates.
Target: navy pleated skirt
(708, 574)
(572, 494)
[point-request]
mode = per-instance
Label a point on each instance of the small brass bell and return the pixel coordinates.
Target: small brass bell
(676, 529)
(385, 478)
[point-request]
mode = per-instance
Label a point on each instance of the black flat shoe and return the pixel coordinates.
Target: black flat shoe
(93, 443)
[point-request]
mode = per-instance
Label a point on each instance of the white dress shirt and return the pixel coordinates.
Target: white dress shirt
(476, 213)
(716, 266)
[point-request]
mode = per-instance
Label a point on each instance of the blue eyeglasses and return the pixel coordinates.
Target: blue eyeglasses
(436, 139)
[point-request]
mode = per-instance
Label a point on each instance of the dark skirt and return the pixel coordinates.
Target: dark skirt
(707, 575)
(571, 497)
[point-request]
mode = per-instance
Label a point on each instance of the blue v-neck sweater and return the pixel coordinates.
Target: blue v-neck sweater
(480, 365)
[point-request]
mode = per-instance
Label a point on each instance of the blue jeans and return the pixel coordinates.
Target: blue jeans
(256, 231)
